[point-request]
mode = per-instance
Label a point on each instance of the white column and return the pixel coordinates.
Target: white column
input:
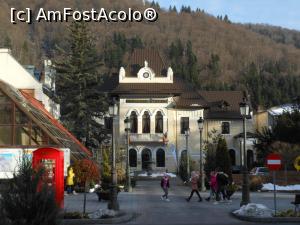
(140, 126)
(152, 124)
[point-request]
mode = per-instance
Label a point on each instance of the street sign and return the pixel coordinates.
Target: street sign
(274, 162)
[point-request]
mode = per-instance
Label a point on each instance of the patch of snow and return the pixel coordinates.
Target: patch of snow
(254, 210)
(270, 187)
(94, 188)
(156, 175)
(100, 213)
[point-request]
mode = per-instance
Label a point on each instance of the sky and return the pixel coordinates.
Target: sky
(284, 13)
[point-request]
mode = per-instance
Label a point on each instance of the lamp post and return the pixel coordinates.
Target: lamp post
(200, 126)
(127, 129)
(113, 204)
(187, 134)
(245, 111)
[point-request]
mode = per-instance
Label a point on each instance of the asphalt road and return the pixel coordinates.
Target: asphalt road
(146, 202)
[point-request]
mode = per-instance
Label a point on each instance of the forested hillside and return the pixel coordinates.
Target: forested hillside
(210, 52)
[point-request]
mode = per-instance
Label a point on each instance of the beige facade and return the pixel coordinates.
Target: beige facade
(144, 94)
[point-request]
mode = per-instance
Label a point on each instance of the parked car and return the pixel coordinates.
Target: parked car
(236, 169)
(260, 171)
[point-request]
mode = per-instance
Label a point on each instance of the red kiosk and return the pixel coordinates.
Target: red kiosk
(53, 161)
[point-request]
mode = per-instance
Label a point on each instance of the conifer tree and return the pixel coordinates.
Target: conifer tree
(222, 157)
(78, 85)
(27, 201)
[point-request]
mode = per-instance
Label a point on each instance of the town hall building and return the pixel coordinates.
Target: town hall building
(161, 108)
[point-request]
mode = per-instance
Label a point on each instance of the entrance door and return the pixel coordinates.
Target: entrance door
(146, 159)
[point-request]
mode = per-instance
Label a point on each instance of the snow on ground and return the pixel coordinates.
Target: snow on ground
(254, 210)
(270, 187)
(156, 175)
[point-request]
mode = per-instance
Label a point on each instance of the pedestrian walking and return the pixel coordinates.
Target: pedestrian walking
(70, 181)
(222, 181)
(194, 181)
(213, 185)
(165, 185)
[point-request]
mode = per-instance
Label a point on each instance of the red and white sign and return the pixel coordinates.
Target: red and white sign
(274, 161)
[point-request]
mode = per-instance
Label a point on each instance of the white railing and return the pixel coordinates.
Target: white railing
(146, 137)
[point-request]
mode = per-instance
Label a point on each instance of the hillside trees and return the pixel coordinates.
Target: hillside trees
(78, 82)
(270, 85)
(184, 61)
(116, 49)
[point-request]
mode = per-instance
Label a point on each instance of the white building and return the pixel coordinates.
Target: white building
(161, 108)
(13, 73)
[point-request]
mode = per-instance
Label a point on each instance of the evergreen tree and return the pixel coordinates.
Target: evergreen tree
(222, 157)
(226, 19)
(7, 42)
(24, 55)
(27, 201)
(78, 81)
(191, 67)
(213, 64)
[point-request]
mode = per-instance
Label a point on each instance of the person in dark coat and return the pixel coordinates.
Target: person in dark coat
(222, 181)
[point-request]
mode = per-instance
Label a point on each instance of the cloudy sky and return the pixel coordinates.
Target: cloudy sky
(284, 13)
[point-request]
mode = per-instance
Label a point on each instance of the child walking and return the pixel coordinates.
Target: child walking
(165, 185)
(194, 180)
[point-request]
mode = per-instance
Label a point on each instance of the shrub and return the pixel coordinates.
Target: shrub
(86, 170)
(288, 213)
(256, 183)
(27, 201)
(75, 215)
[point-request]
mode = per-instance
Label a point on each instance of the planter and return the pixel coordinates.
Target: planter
(103, 195)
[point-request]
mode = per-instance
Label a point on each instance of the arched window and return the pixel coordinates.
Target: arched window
(132, 157)
(160, 158)
(159, 122)
(232, 156)
(133, 122)
(146, 159)
(146, 122)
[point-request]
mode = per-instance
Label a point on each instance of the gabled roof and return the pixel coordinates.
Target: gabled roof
(38, 114)
(155, 61)
(223, 104)
(175, 88)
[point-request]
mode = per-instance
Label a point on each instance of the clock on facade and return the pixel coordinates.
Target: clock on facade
(146, 75)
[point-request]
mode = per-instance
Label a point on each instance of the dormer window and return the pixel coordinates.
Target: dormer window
(146, 73)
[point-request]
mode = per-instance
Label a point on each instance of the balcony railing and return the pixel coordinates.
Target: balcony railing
(147, 138)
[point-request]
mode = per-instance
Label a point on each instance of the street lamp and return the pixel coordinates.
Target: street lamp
(245, 111)
(200, 126)
(127, 129)
(187, 134)
(113, 204)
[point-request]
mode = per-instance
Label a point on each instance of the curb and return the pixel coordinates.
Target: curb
(267, 219)
(126, 217)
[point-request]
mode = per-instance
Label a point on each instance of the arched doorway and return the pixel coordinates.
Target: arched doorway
(232, 156)
(160, 158)
(146, 159)
(250, 159)
(132, 157)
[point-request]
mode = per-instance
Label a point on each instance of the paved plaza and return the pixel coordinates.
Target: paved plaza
(146, 202)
